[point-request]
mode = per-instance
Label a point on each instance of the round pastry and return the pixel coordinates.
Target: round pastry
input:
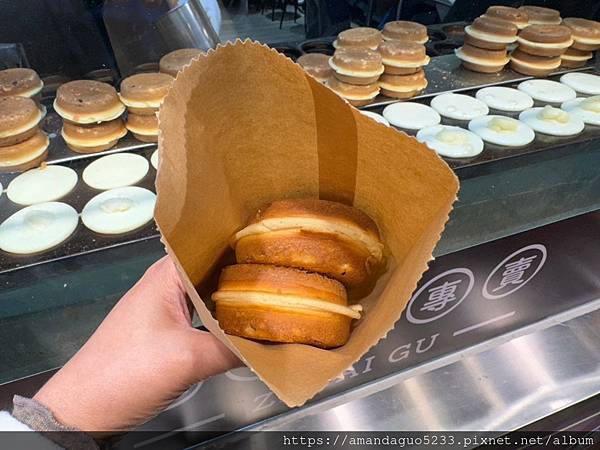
(376, 117)
(317, 65)
(574, 59)
(586, 109)
(88, 101)
(355, 94)
(21, 82)
(113, 171)
(547, 91)
(19, 119)
(93, 138)
(490, 33)
(44, 184)
(459, 106)
(24, 155)
(504, 99)
(402, 86)
(144, 128)
(501, 130)
(545, 40)
(451, 142)
(172, 63)
(585, 83)
(585, 33)
(411, 116)
(37, 228)
(119, 210)
(402, 58)
(281, 304)
(536, 66)
(517, 17)
(315, 235)
(539, 15)
(552, 121)
(143, 93)
(356, 66)
(482, 60)
(154, 159)
(361, 37)
(401, 30)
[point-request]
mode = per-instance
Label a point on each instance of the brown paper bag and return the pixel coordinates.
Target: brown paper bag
(243, 126)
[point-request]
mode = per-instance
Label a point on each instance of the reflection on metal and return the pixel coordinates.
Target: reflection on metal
(503, 388)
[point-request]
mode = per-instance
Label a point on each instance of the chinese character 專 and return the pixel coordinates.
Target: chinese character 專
(440, 296)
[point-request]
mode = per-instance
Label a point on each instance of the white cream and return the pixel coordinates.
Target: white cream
(119, 210)
(37, 228)
(316, 225)
(451, 142)
(285, 301)
(44, 184)
(501, 130)
(85, 118)
(586, 109)
(490, 37)
(552, 121)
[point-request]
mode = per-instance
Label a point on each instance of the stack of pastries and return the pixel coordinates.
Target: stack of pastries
(295, 260)
(143, 94)
(586, 40)
(91, 112)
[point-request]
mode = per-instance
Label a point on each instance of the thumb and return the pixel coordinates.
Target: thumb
(210, 355)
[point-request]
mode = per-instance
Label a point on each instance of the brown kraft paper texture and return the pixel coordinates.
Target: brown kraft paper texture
(243, 126)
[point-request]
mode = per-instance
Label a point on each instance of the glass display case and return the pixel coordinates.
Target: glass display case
(545, 194)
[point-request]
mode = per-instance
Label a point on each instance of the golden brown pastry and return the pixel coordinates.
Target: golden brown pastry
(316, 235)
(21, 82)
(545, 40)
(280, 304)
(87, 101)
(143, 93)
(482, 60)
(317, 65)
(539, 15)
(573, 58)
(355, 94)
(93, 138)
(402, 30)
(361, 37)
(143, 128)
(535, 66)
(402, 86)
(19, 119)
(489, 33)
(402, 58)
(356, 66)
(173, 62)
(515, 16)
(586, 33)
(24, 155)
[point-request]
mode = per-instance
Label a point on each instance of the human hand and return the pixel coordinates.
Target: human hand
(142, 357)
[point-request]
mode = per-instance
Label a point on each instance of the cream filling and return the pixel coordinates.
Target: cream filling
(85, 118)
(576, 57)
(503, 125)
(285, 301)
(406, 88)
(591, 104)
(142, 131)
(490, 37)
(585, 40)
(549, 65)
(550, 114)
(482, 62)
(356, 73)
(352, 233)
(408, 64)
(6, 161)
(422, 41)
(141, 104)
(93, 142)
(563, 44)
(23, 128)
(336, 45)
